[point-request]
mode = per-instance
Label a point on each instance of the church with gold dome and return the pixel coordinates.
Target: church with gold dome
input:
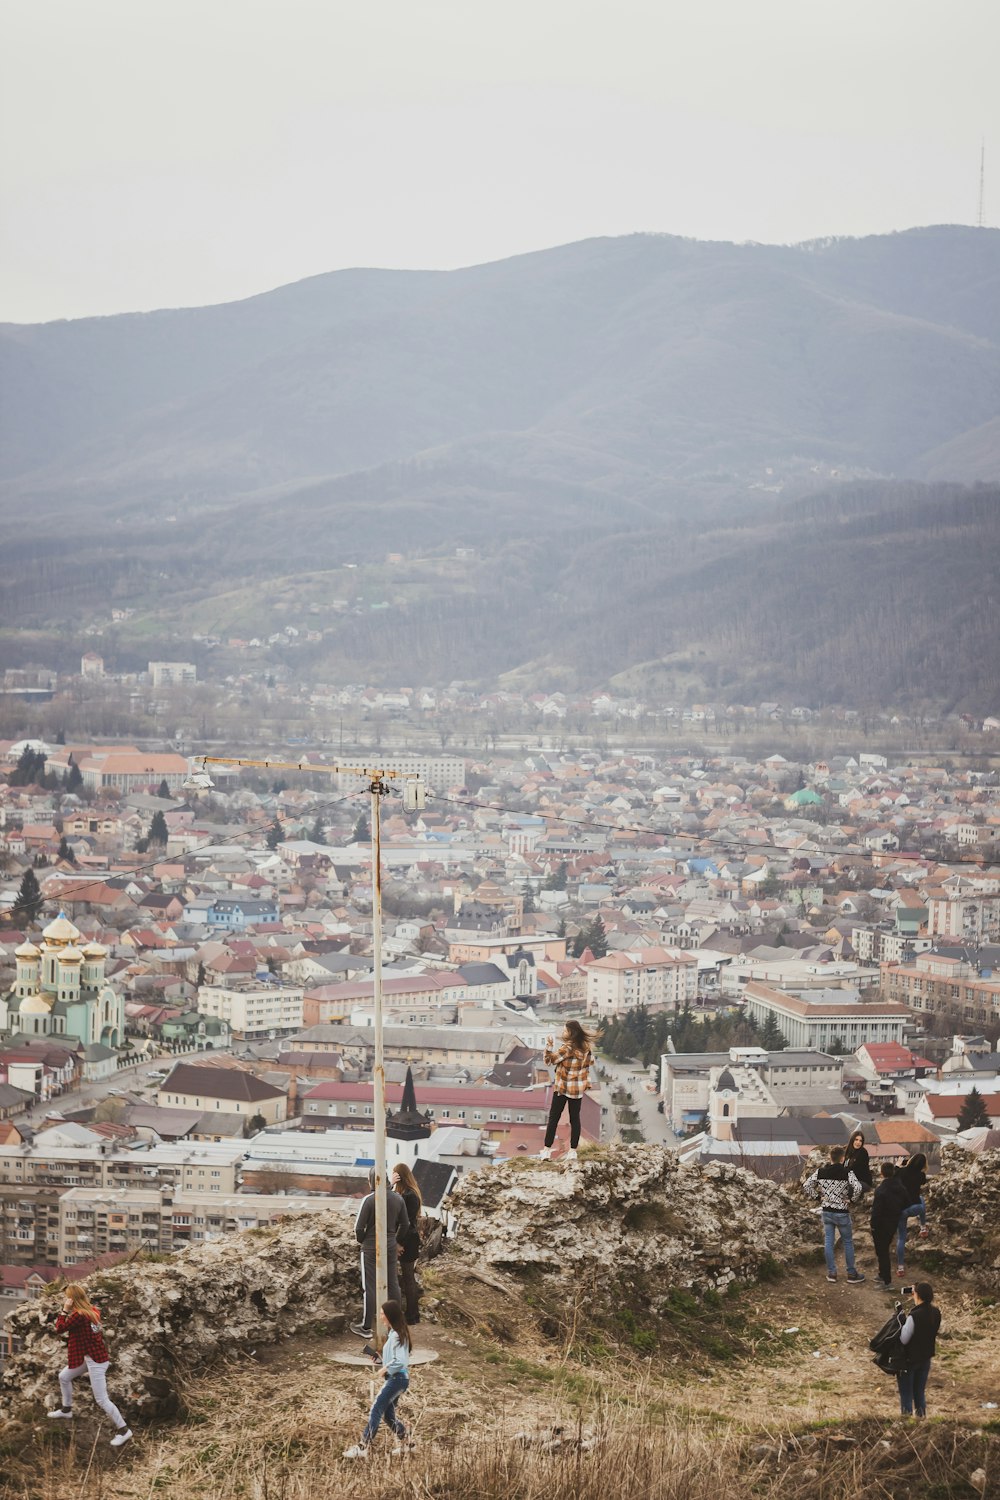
(60, 991)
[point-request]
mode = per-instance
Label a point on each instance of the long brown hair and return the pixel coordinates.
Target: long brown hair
(579, 1039)
(407, 1181)
(397, 1321)
(77, 1294)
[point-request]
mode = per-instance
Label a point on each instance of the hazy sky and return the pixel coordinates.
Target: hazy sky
(172, 152)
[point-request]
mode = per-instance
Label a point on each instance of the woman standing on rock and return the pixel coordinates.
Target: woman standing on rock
(88, 1354)
(405, 1184)
(572, 1063)
(858, 1161)
(917, 1336)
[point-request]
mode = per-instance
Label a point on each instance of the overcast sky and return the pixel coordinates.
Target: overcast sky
(176, 152)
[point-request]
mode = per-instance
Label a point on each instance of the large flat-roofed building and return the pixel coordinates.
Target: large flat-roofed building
(823, 1019)
(254, 1009)
(790, 1076)
(462, 1046)
(209, 1165)
(94, 1222)
(439, 772)
(940, 983)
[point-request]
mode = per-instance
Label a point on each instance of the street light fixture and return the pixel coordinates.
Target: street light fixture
(414, 800)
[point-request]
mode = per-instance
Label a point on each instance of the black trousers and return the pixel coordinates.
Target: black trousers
(882, 1239)
(559, 1102)
(408, 1286)
(370, 1311)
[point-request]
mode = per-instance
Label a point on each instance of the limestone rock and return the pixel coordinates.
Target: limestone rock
(632, 1211)
(963, 1206)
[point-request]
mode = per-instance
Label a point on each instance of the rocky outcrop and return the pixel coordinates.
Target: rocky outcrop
(624, 1213)
(165, 1319)
(963, 1207)
(631, 1212)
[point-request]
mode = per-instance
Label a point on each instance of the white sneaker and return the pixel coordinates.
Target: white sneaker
(67, 1416)
(358, 1451)
(121, 1438)
(570, 1155)
(545, 1154)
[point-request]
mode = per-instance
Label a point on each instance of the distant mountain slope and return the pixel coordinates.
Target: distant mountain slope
(690, 359)
(626, 433)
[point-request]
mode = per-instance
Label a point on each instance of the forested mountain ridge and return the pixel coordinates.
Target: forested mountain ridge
(619, 436)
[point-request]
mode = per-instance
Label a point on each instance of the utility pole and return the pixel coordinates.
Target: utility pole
(414, 800)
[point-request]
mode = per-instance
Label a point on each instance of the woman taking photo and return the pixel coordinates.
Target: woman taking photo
(88, 1354)
(405, 1184)
(918, 1337)
(572, 1062)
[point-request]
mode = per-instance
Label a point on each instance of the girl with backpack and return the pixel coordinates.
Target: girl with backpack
(88, 1355)
(405, 1184)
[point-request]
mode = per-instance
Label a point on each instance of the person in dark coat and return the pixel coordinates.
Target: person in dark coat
(405, 1184)
(397, 1226)
(914, 1175)
(918, 1337)
(858, 1161)
(888, 1203)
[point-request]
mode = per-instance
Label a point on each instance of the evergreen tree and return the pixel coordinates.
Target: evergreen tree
(527, 898)
(275, 835)
(557, 880)
(362, 831)
(158, 832)
(61, 737)
(28, 902)
(74, 776)
(597, 938)
(771, 1036)
(973, 1111)
(30, 768)
(163, 790)
(65, 852)
(318, 834)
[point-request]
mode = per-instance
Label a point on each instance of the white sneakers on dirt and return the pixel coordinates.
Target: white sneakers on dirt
(545, 1154)
(123, 1436)
(358, 1451)
(570, 1155)
(67, 1416)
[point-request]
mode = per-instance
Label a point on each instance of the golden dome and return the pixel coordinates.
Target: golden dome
(27, 950)
(94, 950)
(61, 931)
(71, 956)
(33, 1005)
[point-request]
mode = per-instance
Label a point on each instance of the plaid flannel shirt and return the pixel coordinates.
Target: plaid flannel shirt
(572, 1070)
(85, 1338)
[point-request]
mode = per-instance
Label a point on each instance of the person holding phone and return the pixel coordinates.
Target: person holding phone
(918, 1337)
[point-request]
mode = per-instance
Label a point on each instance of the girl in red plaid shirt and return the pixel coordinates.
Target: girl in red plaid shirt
(572, 1063)
(88, 1354)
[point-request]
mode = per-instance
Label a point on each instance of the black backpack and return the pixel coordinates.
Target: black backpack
(889, 1352)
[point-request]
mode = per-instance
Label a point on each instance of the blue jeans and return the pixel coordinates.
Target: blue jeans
(384, 1405)
(834, 1223)
(912, 1384)
(916, 1210)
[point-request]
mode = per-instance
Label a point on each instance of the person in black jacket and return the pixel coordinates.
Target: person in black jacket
(397, 1226)
(858, 1161)
(888, 1203)
(918, 1337)
(405, 1184)
(914, 1175)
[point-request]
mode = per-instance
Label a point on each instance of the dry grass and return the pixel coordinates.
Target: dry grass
(675, 1425)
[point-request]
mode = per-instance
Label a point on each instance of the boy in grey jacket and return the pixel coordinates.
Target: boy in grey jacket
(397, 1224)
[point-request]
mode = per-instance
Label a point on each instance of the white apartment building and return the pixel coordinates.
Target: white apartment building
(654, 977)
(172, 673)
(254, 1009)
(95, 1223)
(437, 772)
(969, 919)
(820, 1019)
(208, 1166)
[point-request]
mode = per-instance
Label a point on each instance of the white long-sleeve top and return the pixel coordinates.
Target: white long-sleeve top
(395, 1355)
